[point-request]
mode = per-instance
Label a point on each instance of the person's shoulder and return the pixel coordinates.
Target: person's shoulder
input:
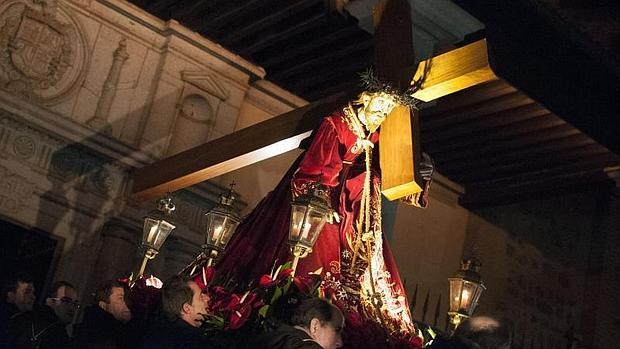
(307, 344)
(288, 337)
(164, 333)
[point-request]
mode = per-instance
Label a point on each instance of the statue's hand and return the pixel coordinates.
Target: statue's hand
(427, 167)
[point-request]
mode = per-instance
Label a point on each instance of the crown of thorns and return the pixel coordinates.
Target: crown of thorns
(372, 84)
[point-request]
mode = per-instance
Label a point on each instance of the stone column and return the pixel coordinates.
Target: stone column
(108, 92)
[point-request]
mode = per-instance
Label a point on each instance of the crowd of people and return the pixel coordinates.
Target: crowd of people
(108, 323)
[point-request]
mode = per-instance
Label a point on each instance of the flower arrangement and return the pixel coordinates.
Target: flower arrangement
(260, 307)
(239, 312)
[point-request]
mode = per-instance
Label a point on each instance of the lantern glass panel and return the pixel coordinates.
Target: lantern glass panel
(155, 232)
(228, 229)
(456, 286)
(215, 228)
(298, 227)
(220, 228)
(316, 220)
(472, 291)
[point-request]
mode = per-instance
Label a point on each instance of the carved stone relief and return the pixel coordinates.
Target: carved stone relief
(43, 53)
(193, 124)
(206, 82)
(63, 162)
(16, 192)
(100, 119)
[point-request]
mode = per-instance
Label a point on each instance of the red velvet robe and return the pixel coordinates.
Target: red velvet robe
(261, 239)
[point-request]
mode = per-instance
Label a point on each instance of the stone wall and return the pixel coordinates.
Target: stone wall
(89, 91)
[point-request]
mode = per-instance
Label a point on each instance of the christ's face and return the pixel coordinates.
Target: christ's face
(376, 107)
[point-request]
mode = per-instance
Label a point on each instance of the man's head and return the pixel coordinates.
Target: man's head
(182, 298)
(19, 291)
(321, 320)
(485, 332)
(63, 299)
(374, 108)
(110, 296)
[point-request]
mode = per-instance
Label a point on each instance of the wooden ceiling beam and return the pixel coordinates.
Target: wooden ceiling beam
(551, 143)
(334, 57)
(466, 113)
(490, 121)
(158, 6)
(331, 87)
(309, 47)
(538, 174)
(270, 40)
(580, 148)
(486, 195)
(473, 95)
(506, 131)
(191, 13)
(328, 73)
(596, 158)
(279, 14)
(505, 139)
(233, 13)
(576, 82)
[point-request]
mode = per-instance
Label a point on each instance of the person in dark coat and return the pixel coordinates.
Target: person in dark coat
(315, 324)
(104, 325)
(46, 327)
(25, 326)
(183, 306)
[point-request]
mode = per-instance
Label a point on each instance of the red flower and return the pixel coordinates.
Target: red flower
(239, 317)
(306, 283)
(267, 280)
(220, 298)
(240, 308)
(204, 277)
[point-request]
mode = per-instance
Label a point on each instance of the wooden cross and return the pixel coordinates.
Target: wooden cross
(448, 73)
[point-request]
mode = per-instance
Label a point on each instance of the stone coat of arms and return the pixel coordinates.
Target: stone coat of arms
(38, 51)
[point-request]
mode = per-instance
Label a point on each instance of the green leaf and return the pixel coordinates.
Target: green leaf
(263, 311)
(276, 295)
(287, 265)
(287, 286)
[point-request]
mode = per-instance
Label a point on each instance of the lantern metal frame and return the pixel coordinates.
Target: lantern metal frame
(163, 215)
(314, 200)
(214, 245)
(463, 304)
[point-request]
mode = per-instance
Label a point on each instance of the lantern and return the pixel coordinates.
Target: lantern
(309, 213)
(222, 220)
(157, 227)
(466, 286)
